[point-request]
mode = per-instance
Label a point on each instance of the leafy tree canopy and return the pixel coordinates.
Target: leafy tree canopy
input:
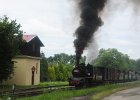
(112, 58)
(138, 64)
(63, 58)
(43, 68)
(10, 42)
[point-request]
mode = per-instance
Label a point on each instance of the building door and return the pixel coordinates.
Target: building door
(33, 76)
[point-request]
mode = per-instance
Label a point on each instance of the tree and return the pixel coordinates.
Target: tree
(57, 73)
(43, 68)
(138, 64)
(51, 74)
(10, 42)
(66, 74)
(63, 58)
(112, 58)
(109, 58)
(63, 65)
(125, 62)
(132, 64)
(68, 68)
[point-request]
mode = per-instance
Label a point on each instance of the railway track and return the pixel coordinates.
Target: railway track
(18, 93)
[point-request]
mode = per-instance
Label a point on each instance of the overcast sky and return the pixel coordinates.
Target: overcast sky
(54, 21)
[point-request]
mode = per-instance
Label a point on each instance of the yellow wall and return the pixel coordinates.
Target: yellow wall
(30, 63)
(23, 73)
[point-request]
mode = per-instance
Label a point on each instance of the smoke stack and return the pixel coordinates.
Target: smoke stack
(78, 59)
(90, 21)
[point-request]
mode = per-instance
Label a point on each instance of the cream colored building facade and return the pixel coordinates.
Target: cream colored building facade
(27, 65)
(26, 71)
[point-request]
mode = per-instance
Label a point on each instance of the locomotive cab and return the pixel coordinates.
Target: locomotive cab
(79, 71)
(80, 74)
(77, 75)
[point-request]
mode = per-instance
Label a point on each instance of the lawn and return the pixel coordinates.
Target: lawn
(53, 83)
(42, 84)
(9, 87)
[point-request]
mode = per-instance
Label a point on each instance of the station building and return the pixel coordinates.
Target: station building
(27, 65)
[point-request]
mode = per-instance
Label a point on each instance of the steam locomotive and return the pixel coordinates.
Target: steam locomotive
(87, 75)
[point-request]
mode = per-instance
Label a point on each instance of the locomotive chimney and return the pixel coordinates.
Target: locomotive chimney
(77, 60)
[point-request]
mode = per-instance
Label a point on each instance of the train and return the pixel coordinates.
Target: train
(88, 75)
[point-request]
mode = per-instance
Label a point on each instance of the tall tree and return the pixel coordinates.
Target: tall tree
(112, 58)
(43, 68)
(10, 42)
(63, 58)
(132, 64)
(109, 58)
(51, 74)
(138, 64)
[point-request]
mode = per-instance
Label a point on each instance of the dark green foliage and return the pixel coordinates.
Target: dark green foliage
(51, 74)
(62, 58)
(10, 42)
(57, 68)
(43, 68)
(63, 72)
(109, 58)
(62, 64)
(138, 64)
(132, 64)
(59, 72)
(112, 58)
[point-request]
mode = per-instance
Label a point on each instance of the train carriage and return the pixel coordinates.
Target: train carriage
(87, 75)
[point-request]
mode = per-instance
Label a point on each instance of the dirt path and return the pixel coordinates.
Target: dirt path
(86, 97)
(129, 94)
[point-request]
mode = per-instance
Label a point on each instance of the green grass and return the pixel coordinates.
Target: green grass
(60, 95)
(52, 83)
(98, 92)
(9, 87)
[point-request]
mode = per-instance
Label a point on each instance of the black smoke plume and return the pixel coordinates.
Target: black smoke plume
(90, 21)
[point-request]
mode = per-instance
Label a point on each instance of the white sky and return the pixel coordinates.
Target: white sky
(55, 21)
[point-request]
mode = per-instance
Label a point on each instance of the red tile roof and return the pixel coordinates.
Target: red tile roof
(28, 38)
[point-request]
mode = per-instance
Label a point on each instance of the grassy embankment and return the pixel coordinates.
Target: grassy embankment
(52, 83)
(9, 87)
(98, 92)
